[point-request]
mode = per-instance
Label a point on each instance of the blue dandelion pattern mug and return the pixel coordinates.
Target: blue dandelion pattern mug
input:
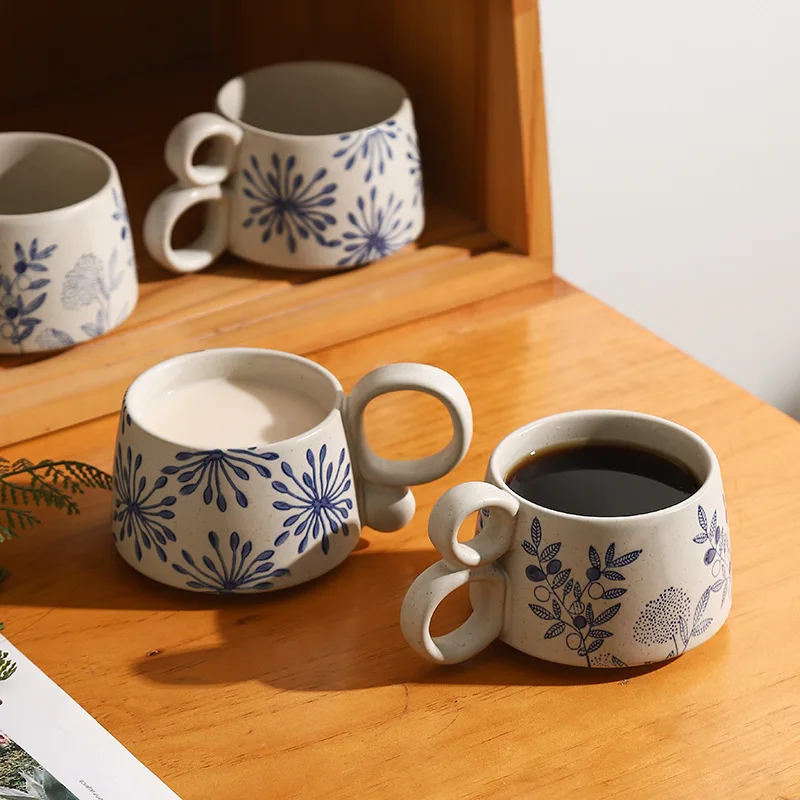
(315, 182)
(253, 519)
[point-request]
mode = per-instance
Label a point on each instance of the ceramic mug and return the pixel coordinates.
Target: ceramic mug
(67, 271)
(585, 591)
(313, 165)
(267, 517)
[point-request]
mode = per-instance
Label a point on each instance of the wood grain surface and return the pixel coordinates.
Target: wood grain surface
(313, 692)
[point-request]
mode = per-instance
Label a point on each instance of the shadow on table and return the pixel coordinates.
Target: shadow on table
(337, 633)
(342, 632)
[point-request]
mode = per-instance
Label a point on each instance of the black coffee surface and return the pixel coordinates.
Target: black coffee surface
(601, 480)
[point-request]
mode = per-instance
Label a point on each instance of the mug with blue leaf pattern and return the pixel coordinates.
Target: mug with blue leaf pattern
(67, 268)
(312, 165)
(588, 591)
(207, 517)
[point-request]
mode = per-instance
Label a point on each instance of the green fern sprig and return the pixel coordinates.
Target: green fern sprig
(7, 666)
(49, 483)
(53, 484)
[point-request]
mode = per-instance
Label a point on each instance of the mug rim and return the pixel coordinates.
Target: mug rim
(498, 470)
(256, 352)
(307, 136)
(57, 137)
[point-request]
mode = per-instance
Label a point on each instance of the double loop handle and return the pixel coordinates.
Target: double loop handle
(463, 562)
(197, 183)
(385, 501)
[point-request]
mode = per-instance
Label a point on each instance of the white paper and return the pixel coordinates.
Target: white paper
(84, 761)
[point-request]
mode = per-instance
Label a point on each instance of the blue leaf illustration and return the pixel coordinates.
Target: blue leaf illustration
(550, 552)
(611, 594)
(598, 633)
(529, 548)
(536, 532)
(560, 577)
(540, 611)
(555, 630)
(628, 558)
(594, 557)
(607, 615)
(613, 576)
(701, 518)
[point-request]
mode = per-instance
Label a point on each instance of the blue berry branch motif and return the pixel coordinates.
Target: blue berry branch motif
(283, 203)
(140, 514)
(377, 230)
(718, 551)
(570, 608)
(373, 147)
(666, 619)
(318, 503)
(240, 572)
(20, 295)
(219, 470)
(414, 167)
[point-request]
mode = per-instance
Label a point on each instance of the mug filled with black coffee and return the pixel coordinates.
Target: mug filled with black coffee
(602, 541)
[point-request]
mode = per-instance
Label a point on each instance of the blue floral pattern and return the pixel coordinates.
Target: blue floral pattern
(20, 292)
(218, 469)
(141, 515)
(718, 551)
(120, 215)
(666, 619)
(317, 502)
(240, 572)
(414, 167)
(377, 230)
(283, 203)
(566, 603)
(372, 146)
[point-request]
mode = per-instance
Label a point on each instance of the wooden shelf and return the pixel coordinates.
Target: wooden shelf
(233, 303)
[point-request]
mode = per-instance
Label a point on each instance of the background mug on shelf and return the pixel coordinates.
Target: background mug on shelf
(204, 499)
(313, 165)
(67, 270)
(580, 590)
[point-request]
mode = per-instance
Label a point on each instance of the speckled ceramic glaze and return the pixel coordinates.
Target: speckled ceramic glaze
(586, 591)
(253, 519)
(67, 269)
(314, 165)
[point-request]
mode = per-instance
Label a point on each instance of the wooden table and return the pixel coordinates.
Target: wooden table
(313, 692)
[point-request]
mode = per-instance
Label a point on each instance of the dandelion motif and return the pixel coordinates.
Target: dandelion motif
(414, 167)
(660, 621)
(283, 203)
(84, 283)
(372, 146)
(139, 514)
(215, 468)
(378, 231)
(319, 502)
(239, 573)
(20, 295)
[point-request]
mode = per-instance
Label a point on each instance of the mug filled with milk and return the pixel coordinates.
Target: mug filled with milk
(247, 470)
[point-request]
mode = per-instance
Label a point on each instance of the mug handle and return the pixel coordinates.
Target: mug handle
(462, 562)
(385, 500)
(197, 183)
(481, 628)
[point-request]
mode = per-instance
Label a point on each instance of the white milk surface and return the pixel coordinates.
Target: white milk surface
(228, 412)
